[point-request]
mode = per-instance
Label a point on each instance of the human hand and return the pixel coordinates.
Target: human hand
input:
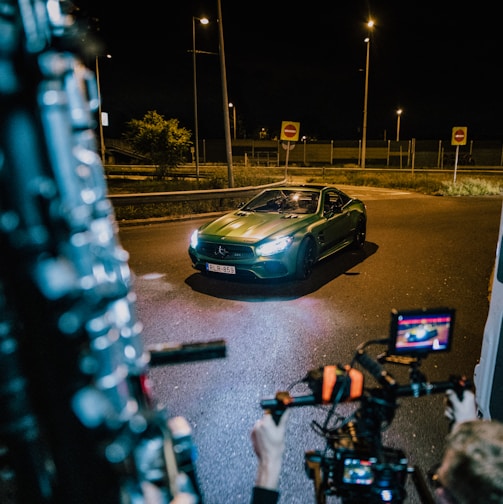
(458, 410)
(268, 441)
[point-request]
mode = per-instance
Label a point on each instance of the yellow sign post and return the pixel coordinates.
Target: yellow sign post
(289, 133)
(459, 135)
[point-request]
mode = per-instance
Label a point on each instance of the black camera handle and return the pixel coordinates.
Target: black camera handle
(418, 387)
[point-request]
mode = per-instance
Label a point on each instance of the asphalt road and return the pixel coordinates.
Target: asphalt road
(421, 251)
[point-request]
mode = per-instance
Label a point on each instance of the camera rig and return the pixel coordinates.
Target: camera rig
(355, 465)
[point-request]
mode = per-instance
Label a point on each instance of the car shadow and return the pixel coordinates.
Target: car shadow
(263, 290)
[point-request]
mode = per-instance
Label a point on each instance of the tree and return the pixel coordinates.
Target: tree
(162, 140)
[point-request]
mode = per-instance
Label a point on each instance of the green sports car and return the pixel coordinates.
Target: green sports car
(280, 233)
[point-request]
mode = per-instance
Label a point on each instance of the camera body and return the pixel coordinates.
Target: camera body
(357, 475)
(364, 476)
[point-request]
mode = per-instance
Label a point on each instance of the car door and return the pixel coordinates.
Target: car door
(337, 226)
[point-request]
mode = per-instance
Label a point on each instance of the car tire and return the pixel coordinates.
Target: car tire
(305, 259)
(360, 233)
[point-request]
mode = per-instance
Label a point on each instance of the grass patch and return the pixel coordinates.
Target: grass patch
(425, 183)
(472, 187)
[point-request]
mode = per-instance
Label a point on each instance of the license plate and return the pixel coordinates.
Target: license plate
(220, 268)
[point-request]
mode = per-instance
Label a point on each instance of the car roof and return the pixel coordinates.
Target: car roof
(321, 188)
(313, 187)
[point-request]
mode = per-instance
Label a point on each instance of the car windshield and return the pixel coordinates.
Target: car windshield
(291, 201)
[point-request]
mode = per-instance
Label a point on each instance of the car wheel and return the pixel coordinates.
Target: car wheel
(305, 259)
(360, 233)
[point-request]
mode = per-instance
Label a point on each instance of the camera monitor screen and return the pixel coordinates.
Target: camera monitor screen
(419, 332)
(357, 471)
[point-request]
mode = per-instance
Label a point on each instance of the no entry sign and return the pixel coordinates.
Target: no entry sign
(290, 131)
(459, 134)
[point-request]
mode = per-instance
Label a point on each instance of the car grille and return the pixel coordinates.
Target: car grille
(225, 251)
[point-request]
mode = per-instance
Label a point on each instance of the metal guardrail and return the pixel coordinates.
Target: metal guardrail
(170, 197)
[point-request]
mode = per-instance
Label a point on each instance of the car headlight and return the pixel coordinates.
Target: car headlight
(194, 237)
(275, 246)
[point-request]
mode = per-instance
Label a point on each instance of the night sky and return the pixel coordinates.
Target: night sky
(437, 60)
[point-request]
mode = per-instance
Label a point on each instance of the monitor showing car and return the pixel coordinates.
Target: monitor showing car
(421, 331)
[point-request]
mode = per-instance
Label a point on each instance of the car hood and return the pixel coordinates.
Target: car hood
(250, 227)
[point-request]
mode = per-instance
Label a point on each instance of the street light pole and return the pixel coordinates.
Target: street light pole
(225, 99)
(196, 126)
(100, 119)
(233, 107)
(370, 24)
(398, 115)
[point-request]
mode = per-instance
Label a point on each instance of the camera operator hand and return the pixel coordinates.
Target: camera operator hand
(459, 411)
(268, 441)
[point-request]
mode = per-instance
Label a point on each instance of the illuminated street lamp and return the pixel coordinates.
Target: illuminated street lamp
(233, 107)
(370, 25)
(100, 118)
(203, 21)
(398, 115)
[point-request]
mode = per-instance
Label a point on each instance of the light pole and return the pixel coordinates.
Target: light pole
(225, 99)
(370, 24)
(398, 115)
(233, 107)
(100, 119)
(203, 21)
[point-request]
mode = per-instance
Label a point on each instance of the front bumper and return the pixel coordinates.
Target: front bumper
(262, 269)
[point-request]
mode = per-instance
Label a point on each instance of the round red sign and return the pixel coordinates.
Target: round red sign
(290, 130)
(459, 135)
